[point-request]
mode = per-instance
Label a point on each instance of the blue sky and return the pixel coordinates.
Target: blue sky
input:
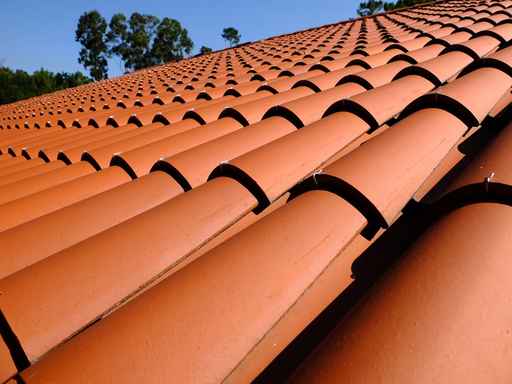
(40, 33)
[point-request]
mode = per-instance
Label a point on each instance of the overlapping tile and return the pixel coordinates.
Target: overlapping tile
(219, 198)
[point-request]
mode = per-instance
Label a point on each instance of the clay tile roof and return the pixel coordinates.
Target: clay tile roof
(330, 205)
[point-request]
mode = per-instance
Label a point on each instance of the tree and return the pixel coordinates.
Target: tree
(171, 42)
(140, 41)
(18, 85)
(231, 35)
(144, 40)
(65, 80)
(131, 39)
(205, 50)
(43, 81)
(140, 37)
(90, 33)
(389, 6)
(370, 7)
(117, 36)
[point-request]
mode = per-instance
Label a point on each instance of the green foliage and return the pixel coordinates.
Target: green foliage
(402, 3)
(144, 40)
(205, 50)
(19, 85)
(117, 35)
(142, 29)
(90, 33)
(371, 7)
(231, 35)
(171, 42)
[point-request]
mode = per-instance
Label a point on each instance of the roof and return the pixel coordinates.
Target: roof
(326, 206)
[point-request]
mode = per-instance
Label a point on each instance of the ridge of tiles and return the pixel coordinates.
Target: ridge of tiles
(201, 221)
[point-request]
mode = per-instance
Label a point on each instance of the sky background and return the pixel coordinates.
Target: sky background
(41, 33)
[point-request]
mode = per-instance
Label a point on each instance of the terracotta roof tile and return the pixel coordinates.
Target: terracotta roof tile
(308, 109)
(35, 205)
(329, 135)
(51, 152)
(251, 346)
(379, 105)
(400, 167)
(252, 112)
(192, 167)
(97, 267)
(139, 160)
(490, 162)
(65, 227)
(213, 219)
(14, 174)
(461, 96)
(424, 294)
(7, 366)
(49, 178)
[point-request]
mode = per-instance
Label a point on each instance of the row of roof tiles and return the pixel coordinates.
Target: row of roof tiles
(481, 15)
(224, 225)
